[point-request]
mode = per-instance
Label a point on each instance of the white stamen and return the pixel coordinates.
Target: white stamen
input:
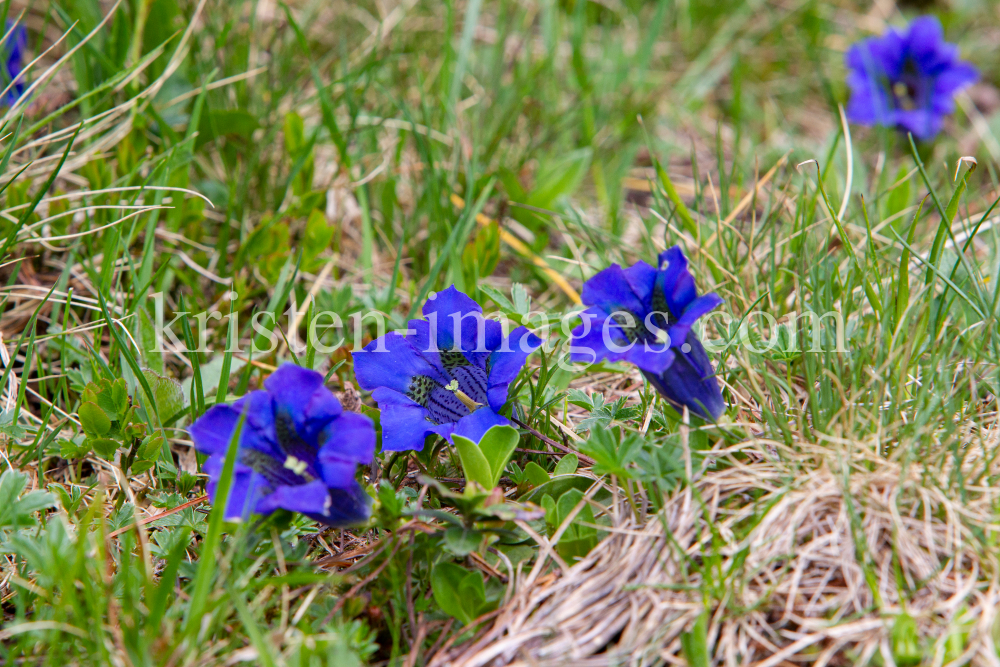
(452, 386)
(662, 337)
(295, 465)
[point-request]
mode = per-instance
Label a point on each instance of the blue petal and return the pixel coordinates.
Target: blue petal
(505, 365)
(334, 507)
(213, 430)
(872, 63)
(299, 394)
(473, 426)
(689, 381)
(247, 488)
(351, 436)
(652, 357)
(311, 498)
(404, 423)
(696, 309)
(609, 290)
(954, 79)
(349, 441)
(676, 281)
(422, 341)
(925, 40)
(879, 56)
(419, 337)
(922, 123)
(641, 279)
(393, 368)
(259, 430)
(590, 346)
(337, 473)
(348, 507)
(869, 105)
(449, 308)
(14, 54)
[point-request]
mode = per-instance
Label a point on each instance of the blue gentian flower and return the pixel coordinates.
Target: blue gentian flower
(906, 80)
(298, 450)
(448, 375)
(13, 52)
(643, 315)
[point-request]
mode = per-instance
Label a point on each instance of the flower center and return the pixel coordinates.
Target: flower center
(903, 95)
(635, 329)
(295, 465)
(290, 472)
(290, 466)
(464, 393)
(907, 91)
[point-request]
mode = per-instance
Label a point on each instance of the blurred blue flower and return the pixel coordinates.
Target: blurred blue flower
(13, 53)
(906, 80)
(298, 450)
(643, 315)
(448, 375)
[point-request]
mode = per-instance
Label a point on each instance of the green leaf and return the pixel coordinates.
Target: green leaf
(605, 413)
(460, 541)
(521, 299)
(472, 592)
(899, 197)
(167, 393)
(536, 474)
(151, 447)
(93, 419)
(694, 644)
(140, 467)
(15, 509)
(295, 133)
(474, 463)
(317, 237)
(551, 513)
(211, 373)
(497, 445)
(73, 450)
(498, 298)
(611, 456)
(103, 447)
(560, 178)
(446, 583)
(906, 641)
(558, 486)
(223, 123)
(119, 397)
(567, 465)
(682, 210)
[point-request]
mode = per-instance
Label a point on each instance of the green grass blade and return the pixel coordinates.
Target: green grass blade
(205, 575)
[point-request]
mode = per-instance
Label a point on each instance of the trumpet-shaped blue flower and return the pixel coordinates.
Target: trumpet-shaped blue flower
(13, 52)
(298, 450)
(643, 315)
(906, 80)
(448, 374)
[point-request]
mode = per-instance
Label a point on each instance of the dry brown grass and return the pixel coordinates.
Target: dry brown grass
(833, 554)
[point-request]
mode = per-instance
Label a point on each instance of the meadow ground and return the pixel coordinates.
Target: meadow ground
(232, 159)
